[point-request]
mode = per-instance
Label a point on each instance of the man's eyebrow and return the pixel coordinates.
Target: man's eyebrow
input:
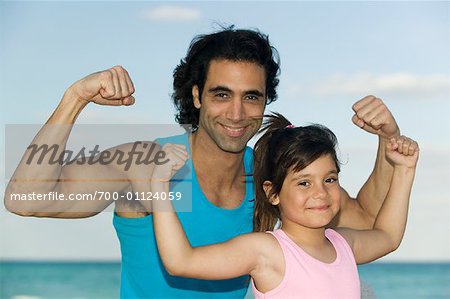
(254, 92)
(222, 88)
(219, 88)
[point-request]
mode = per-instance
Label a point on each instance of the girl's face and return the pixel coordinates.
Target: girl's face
(310, 197)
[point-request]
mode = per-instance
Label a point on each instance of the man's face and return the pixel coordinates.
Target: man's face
(232, 103)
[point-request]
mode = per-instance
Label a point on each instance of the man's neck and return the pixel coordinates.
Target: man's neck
(214, 165)
(220, 174)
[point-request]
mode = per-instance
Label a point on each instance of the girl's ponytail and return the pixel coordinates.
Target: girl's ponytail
(266, 215)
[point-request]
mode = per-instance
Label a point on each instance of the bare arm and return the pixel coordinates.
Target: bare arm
(236, 257)
(372, 115)
(110, 87)
(233, 258)
(390, 223)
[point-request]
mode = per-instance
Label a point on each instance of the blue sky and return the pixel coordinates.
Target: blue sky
(332, 54)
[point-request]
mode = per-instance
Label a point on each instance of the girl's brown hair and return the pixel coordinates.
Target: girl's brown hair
(280, 149)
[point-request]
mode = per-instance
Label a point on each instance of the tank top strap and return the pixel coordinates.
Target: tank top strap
(340, 244)
(289, 251)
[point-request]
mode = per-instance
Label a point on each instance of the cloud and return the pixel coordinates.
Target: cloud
(173, 14)
(433, 166)
(399, 85)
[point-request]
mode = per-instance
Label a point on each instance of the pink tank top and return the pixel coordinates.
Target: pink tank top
(307, 277)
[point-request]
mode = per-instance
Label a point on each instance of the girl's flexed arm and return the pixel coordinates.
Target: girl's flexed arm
(390, 223)
(239, 256)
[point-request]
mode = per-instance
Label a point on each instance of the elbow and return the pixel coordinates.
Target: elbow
(389, 241)
(174, 269)
(393, 244)
(19, 212)
(176, 265)
(15, 209)
(15, 206)
(170, 268)
(171, 272)
(22, 213)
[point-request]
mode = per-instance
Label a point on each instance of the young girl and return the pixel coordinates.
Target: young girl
(296, 178)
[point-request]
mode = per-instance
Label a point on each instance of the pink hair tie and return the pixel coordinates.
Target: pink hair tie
(290, 126)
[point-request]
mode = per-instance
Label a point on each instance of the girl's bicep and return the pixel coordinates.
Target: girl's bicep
(236, 257)
(367, 245)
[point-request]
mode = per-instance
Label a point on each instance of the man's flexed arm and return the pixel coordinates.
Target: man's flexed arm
(109, 87)
(373, 116)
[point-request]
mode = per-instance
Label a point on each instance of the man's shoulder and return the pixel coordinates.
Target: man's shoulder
(176, 139)
(248, 160)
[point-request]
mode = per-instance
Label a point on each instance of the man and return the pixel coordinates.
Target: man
(221, 88)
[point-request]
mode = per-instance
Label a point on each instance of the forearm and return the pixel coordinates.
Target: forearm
(68, 109)
(361, 212)
(392, 217)
(372, 194)
(173, 246)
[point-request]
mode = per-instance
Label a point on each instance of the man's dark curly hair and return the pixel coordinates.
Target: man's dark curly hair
(230, 44)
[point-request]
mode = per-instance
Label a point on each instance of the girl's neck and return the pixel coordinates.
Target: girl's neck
(312, 241)
(305, 236)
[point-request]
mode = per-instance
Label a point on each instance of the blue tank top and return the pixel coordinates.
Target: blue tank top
(144, 276)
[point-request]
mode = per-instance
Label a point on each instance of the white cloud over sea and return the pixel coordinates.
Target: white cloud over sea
(400, 85)
(171, 13)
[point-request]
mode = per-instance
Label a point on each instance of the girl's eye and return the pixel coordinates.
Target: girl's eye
(304, 183)
(331, 180)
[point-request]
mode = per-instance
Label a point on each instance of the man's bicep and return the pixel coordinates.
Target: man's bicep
(113, 169)
(351, 214)
(89, 186)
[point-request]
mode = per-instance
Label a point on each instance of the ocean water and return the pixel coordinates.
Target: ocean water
(407, 280)
(86, 280)
(41, 280)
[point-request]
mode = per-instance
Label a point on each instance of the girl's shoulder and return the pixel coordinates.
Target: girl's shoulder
(266, 237)
(261, 239)
(269, 247)
(263, 244)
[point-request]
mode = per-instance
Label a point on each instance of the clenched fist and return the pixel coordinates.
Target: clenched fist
(402, 151)
(177, 156)
(373, 116)
(111, 87)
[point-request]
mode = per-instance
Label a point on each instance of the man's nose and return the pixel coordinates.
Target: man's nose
(236, 110)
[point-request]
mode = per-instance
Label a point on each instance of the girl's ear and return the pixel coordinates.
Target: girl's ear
(273, 199)
(196, 97)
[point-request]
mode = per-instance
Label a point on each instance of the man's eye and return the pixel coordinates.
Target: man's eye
(221, 95)
(252, 98)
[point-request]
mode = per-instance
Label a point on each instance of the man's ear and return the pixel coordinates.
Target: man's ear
(196, 97)
(267, 187)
